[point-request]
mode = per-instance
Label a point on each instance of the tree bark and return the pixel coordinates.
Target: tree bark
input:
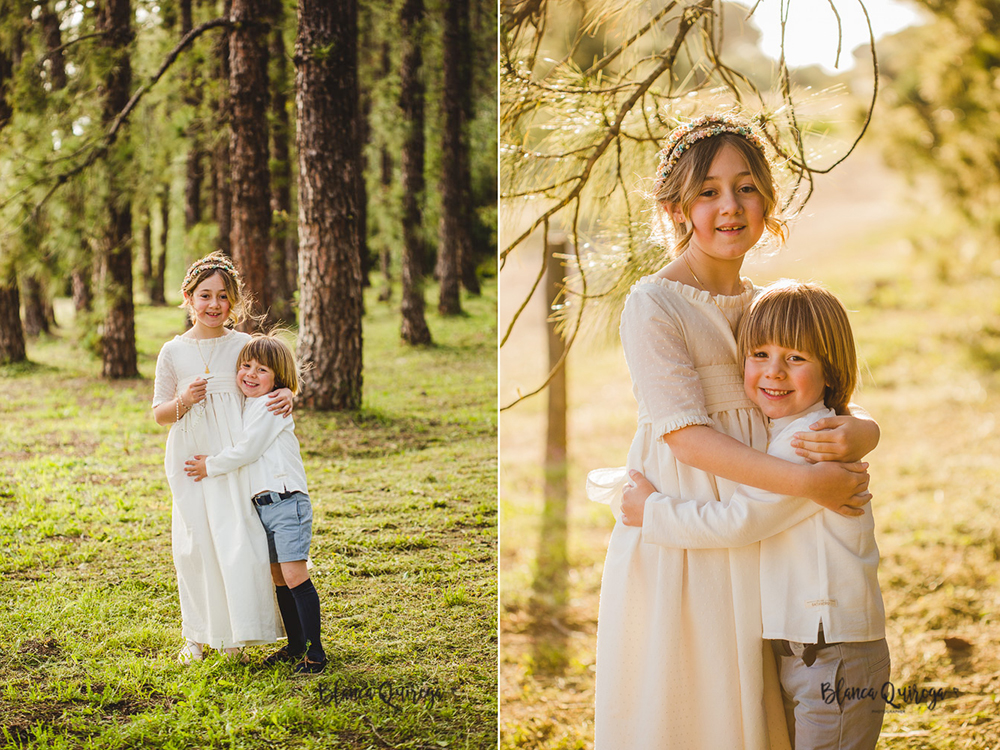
(36, 322)
(281, 173)
(453, 214)
(248, 152)
(411, 102)
(223, 198)
(146, 250)
(119, 354)
(329, 243)
(156, 289)
(11, 334)
(193, 97)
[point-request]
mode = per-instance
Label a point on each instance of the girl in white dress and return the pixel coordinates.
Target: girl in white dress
(681, 662)
(219, 545)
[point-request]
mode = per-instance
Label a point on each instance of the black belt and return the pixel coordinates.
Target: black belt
(784, 648)
(268, 497)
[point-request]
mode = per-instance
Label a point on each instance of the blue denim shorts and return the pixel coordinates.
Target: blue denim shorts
(288, 524)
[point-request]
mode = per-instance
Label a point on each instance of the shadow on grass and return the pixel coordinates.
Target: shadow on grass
(25, 369)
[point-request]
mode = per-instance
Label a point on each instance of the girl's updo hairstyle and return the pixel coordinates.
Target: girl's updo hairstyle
(686, 159)
(217, 263)
(810, 319)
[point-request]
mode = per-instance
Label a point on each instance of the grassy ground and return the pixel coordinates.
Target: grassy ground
(927, 320)
(404, 547)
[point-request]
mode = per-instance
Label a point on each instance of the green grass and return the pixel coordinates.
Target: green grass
(404, 547)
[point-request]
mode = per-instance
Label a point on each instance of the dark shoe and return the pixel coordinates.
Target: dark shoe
(282, 656)
(309, 667)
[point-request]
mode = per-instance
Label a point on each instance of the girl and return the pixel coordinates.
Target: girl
(219, 547)
(820, 599)
(680, 659)
(270, 451)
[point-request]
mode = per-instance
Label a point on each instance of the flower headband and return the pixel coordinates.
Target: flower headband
(708, 126)
(214, 262)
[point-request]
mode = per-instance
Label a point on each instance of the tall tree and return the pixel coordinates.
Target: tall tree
(221, 172)
(454, 211)
(411, 102)
(11, 332)
(193, 96)
(283, 246)
(248, 150)
(329, 244)
(119, 354)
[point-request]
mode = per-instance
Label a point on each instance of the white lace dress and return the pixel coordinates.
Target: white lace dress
(219, 545)
(681, 664)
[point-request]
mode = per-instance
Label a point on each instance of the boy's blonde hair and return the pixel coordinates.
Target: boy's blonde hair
(682, 186)
(204, 268)
(807, 317)
(269, 350)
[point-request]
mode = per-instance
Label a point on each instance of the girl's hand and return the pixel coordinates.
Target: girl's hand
(841, 438)
(195, 468)
(842, 488)
(195, 392)
(280, 402)
(634, 498)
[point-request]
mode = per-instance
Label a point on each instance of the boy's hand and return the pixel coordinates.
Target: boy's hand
(280, 402)
(195, 468)
(634, 498)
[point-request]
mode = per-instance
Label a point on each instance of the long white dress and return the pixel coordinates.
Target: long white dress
(681, 664)
(219, 545)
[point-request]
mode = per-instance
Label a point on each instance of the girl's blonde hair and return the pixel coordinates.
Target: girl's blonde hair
(204, 268)
(682, 185)
(269, 350)
(808, 318)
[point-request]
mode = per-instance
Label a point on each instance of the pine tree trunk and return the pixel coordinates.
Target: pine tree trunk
(116, 244)
(156, 289)
(330, 249)
(281, 171)
(146, 250)
(193, 96)
(453, 214)
(35, 320)
(248, 153)
(223, 198)
(83, 298)
(11, 333)
(411, 102)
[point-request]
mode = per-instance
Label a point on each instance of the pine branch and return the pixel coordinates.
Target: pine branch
(53, 52)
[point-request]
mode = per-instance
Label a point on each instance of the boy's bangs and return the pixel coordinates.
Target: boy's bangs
(782, 323)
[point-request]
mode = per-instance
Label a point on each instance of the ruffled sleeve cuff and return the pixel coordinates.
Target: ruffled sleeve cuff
(679, 422)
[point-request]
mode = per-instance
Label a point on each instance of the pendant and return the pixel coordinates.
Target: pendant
(206, 370)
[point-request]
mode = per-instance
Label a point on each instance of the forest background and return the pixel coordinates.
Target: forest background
(345, 155)
(906, 231)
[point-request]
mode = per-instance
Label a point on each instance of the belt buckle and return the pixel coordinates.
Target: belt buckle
(264, 498)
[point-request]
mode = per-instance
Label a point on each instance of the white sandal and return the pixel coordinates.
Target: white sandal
(190, 653)
(236, 654)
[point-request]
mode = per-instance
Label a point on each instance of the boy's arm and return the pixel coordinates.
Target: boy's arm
(259, 432)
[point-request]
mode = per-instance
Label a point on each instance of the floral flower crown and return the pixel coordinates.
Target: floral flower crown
(708, 126)
(215, 262)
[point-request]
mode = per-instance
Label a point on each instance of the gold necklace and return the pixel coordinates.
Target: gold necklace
(212, 354)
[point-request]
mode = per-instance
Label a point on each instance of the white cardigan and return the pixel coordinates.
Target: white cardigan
(816, 566)
(268, 448)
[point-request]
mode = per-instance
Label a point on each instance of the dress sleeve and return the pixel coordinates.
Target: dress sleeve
(260, 431)
(749, 516)
(662, 371)
(165, 384)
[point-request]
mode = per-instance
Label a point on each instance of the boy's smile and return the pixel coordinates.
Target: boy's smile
(783, 382)
(254, 379)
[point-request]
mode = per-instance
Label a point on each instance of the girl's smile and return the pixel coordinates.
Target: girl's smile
(727, 217)
(783, 382)
(211, 305)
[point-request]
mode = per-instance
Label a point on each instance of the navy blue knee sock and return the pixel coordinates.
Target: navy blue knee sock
(307, 603)
(290, 616)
